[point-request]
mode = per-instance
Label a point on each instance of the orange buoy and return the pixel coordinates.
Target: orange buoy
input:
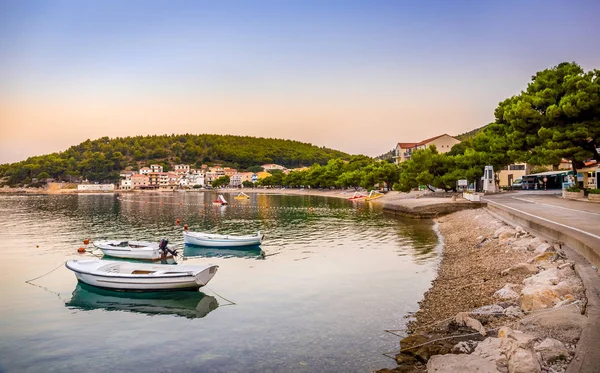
(86, 242)
(310, 208)
(177, 221)
(185, 227)
(180, 203)
(81, 250)
(161, 202)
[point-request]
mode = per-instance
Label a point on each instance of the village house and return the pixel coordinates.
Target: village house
(272, 166)
(126, 180)
(145, 170)
(182, 168)
(156, 168)
(238, 179)
(443, 144)
(140, 181)
(229, 171)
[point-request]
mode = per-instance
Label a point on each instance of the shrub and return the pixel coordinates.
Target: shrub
(594, 191)
(573, 188)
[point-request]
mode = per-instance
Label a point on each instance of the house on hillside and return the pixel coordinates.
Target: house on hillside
(443, 144)
(156, 168)
(145, 170)
(272, 166)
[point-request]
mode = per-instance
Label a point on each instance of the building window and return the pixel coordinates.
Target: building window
(516, 167)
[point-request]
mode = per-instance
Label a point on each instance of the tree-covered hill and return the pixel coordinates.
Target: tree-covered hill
(470, 134)
(102, 159)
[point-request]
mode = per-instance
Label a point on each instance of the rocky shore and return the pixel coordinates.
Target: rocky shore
(503, 301)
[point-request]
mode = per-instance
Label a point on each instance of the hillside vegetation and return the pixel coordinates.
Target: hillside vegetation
(102, 159)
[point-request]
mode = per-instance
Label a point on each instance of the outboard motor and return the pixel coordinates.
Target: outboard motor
(164, 248)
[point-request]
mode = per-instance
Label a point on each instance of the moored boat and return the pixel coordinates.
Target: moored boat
(221, 201)
(221, 240)
(242, 195)
(141, 250)
(374, 195)
(119, 275)
(357, 195)
(181, 303)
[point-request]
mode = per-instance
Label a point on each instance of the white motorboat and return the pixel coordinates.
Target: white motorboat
(220, 201)
(221, 240)
(190, 304)
(120, 275)
(142, 250)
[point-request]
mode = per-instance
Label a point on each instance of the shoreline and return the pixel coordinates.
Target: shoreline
(503, 300)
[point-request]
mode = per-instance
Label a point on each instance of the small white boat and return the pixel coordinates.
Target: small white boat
(142, 250)
(221, 240)
(220, 201)
(119, 275)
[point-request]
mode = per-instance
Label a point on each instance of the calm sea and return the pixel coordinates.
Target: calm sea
(329, 278)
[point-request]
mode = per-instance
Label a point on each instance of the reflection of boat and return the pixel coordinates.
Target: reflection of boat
(357, 195)
(242, 195)
(374, 195)
(180, 303)
(121, 275)
(221, 240)
(220, 201)
(209, 252)
(130, 249)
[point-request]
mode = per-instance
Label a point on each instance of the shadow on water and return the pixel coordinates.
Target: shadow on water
(421, 236)
(179, 303)
(251, 252)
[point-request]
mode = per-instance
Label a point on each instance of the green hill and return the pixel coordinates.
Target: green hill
(470, 134)
(104, 158)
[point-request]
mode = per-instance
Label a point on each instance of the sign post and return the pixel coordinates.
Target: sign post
(545, 181)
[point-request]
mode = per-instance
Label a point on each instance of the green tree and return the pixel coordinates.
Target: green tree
(557, 116)
(221, 181)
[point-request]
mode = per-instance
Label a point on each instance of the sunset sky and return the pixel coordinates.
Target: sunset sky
(357, 76)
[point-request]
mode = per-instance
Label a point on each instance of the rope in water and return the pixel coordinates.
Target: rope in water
(45, 274)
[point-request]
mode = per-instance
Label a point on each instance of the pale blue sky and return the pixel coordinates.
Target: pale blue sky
(357, 76)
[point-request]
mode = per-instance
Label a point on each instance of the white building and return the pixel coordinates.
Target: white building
(145, 170)
(156, 168)
(182, 168)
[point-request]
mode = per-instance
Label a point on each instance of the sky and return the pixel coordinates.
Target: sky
(357, 76)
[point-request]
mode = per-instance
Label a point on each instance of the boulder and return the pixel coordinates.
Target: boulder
(490, 309)
(464, 347)
(534, 243)
(543, 247)
(548, 256)
(494, 350)
(548, 277)
(498, 231)
(507, 235)
(523, 360)
(521, 268)
(551, 350)
(463, 318)
(539, 296)
(507, 292)
(564, 324)
(460, 363)
(516, 337)
(513, 311)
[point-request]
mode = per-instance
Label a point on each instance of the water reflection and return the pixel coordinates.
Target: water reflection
(254, 252)
(179, 303)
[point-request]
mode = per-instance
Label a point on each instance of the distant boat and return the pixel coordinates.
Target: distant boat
(120, 275)
(242, 195)
(374, 195)
(357, 195)
(141, 250)
(220, 201)
(221, 240)
(181, 303)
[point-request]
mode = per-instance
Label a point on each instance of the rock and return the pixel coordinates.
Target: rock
(567, 265)
(490, 309)
(507, 292)
(513, 311)
(539, 296)
(543, 257)
(551, 350)
(463, 318)
(523, 360)
(549, 277)
(404, 359)
(494, 350)
(542, 248)
(498, 231)
(522, 243)
(464, 347)
(460, 363)
(412, 340)
(521, 268)
(564, 324)
(518, 338)
(507, 235)
(534, 243)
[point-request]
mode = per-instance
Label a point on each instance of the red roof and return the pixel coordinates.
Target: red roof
(431, 139)
(405, 145)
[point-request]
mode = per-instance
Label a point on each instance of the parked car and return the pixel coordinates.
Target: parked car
(517, 184)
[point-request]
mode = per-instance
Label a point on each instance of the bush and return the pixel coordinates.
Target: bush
(573, 188)
(594, 191)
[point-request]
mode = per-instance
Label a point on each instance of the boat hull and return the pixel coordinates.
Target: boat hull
(148, 251)
(163, 277)
(221, 241)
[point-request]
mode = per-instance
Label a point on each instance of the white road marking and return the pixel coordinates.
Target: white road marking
(544, 219)
(560, 207)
